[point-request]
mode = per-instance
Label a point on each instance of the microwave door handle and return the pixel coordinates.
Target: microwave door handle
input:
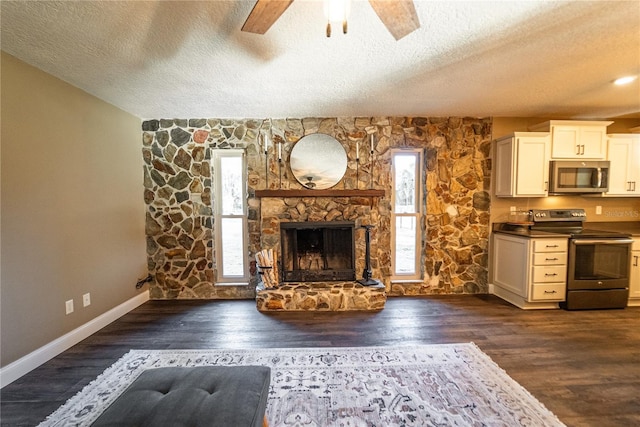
(596, 181)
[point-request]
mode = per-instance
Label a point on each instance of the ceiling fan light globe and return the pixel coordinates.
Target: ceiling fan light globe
(337, 10)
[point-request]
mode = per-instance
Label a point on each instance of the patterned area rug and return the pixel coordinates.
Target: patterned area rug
(432, 385)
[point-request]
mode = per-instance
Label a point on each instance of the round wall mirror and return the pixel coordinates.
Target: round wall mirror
(318, 161)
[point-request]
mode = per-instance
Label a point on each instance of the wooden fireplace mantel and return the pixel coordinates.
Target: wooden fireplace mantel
(319, 193)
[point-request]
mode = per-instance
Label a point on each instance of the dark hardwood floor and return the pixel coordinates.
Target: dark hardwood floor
(582, 365)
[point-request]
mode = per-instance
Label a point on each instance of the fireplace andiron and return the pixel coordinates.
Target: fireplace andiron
(367, 273)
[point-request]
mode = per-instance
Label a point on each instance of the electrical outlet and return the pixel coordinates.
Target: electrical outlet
(86, 299)
(598, 210)
(69, 306)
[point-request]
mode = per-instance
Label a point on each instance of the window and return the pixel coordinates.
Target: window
(405, 216)
(230, 207)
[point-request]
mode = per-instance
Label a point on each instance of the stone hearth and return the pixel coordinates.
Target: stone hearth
(321, 296)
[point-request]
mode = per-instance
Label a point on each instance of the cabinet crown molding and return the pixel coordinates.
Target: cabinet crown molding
(546, 126)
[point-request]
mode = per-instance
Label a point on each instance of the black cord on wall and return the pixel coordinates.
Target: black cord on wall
(141, 282)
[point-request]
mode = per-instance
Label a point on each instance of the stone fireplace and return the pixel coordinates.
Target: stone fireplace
(320, 245)
(317, 251)
(178, 192)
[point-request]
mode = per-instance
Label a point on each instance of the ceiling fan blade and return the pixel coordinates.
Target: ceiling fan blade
(398, 16)
(264, 14)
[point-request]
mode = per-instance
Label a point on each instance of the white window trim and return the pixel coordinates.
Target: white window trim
(417, 275)
(218, 155)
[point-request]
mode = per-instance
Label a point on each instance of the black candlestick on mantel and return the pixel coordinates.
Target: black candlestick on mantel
(367, 273)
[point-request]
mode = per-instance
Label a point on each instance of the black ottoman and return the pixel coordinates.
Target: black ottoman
(224, 396)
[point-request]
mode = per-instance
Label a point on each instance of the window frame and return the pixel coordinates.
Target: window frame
(218, 216)
(417, 215)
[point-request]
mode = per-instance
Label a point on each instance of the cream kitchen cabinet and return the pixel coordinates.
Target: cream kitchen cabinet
(571, 139)
(634, 278)
(522, 165)
(529, 272)
(623, 151)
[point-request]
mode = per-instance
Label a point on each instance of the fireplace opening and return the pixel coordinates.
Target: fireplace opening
(317, 251)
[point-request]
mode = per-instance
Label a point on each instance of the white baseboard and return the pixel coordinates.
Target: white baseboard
(26, 364)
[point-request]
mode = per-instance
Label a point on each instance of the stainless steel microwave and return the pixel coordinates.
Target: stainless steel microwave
(578, 176)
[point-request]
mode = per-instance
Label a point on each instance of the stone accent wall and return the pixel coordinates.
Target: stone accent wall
(178, 193)
(458, 174)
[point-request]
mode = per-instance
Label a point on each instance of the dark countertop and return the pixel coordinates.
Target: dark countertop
(632, 227)
(523, 231)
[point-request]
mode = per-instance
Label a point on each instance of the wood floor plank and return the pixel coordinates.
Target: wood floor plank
(582, 365)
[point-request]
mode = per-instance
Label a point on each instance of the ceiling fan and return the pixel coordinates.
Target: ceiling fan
(399, 16)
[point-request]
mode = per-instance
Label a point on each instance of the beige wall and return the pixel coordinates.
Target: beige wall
(613, 209)
(72, 207)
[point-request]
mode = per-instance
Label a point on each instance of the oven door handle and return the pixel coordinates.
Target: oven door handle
(602, 241)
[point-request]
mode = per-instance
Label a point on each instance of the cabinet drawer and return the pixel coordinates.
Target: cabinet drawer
(550, 258)
(548, 274)
(548, 291)
(550, 245)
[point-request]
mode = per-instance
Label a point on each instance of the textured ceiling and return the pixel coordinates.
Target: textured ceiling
(163, 59)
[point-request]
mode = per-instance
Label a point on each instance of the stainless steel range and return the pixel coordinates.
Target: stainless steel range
(599, 262)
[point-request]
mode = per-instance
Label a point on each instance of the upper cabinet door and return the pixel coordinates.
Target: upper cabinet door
(533, 166)
(623, 151)
(565, 141)
(594, 142)
(522, 165)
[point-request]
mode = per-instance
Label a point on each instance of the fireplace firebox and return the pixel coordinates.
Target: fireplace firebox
(317, 251)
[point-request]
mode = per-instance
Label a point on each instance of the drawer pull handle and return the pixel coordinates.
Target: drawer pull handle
(550, 274)
(549, 292)
(552, 246)
(551, 259)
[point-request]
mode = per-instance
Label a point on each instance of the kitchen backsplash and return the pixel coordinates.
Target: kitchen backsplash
(613, 209)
